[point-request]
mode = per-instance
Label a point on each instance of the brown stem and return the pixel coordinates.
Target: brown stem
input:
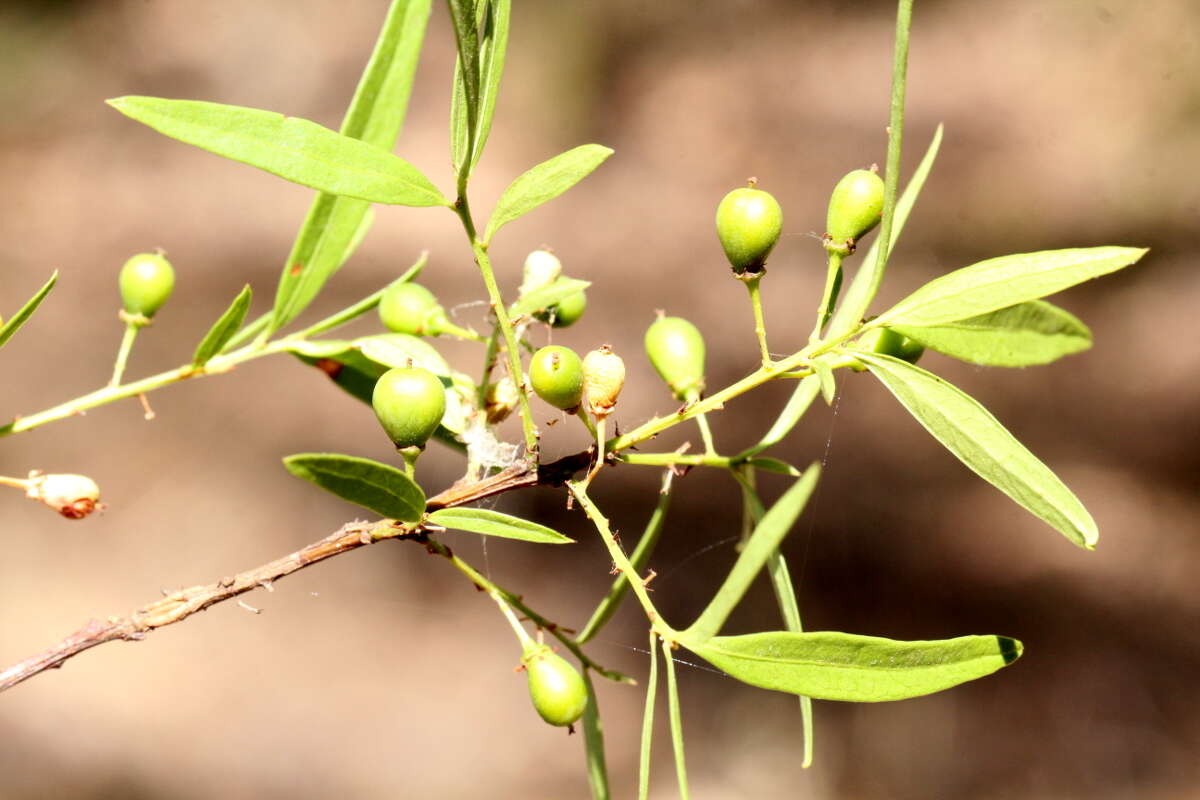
(179, 605)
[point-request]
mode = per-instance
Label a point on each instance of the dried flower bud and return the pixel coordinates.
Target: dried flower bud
(502, 398)
(603, 378)
(542, 268)
(73, 496)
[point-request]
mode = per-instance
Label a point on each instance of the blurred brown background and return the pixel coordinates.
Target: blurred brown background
(383, 673)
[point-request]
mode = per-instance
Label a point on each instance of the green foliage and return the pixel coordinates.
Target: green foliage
(493, 523)
(26, 311)
(223, 329)
(374, 486)
(543, 183)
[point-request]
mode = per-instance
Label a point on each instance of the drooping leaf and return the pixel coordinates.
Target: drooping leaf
(1002, 282)
(593, 740)
(335, 225)
(223, 329)
(295, 149)
(824, 372)
(866, 281)
(648, 722)
(545, 182)
(774, 465)
(763, 542)
(547, 296)
(378, 487)
(18, 319)
(970, 432)
(863, 669)
(493, 523)
(802, 397)
(676, 719)
(1023, 335)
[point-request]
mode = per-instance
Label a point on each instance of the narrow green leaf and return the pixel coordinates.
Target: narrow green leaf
(593, 740)
(1005, 281)
(545, 182)
(403, 350)
(223, 329)
(866, 281)
(463, 15)
(295, 149)
(824, 373)
(368, 303)
(493, 523)
(378, 487)
(863, 669)
(543, 298)
(802, 397)
(648, 721)
(774, 465)
(971, 433)
(335, 225)
(18, 319)
(1023, 335)
(491, 69)
(676, 719)
(765, 540)
(639, 557)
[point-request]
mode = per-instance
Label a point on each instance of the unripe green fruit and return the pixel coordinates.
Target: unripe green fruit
(748, 224)
(146, 282)
(410, 403)
(854, 208)
(557, 376)
(676, 350)
(890, 343)
(565, 312)
(556, 688)
(411, 308)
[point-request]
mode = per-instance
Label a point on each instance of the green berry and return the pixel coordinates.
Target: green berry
(854, 208)
(565, 312)
(410, 403)
(557, 376)
(676, 350)
(556, 688)
(411, 308)
(889, 343)
(748, 224)
(146, 282)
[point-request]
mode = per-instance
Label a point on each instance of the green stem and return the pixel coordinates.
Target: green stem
(760, 329)
(848, 317)
(522, 635)
(582, 413)
(131, 332)
(579, 491)
(248, 331)
(706, 435)
(463, 209)
(678, 459)
(833, 281)
(362, 306)
(515, 601)
(676, 721)
(489, 364)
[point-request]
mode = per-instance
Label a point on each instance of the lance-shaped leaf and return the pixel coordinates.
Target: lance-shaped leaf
(335, 225)
(971, 433)
(26, 311)
(1023, 335)
(378, 487)
(1002, 282)
(295, 149)
(545, 182)
(495, 16)
(802, 397)
(547, 296)
(223, 329)
(861, 669)
(762, 543)
(493, 523)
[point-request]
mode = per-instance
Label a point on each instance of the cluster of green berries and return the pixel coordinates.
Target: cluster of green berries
(750, 220)
(543, 269)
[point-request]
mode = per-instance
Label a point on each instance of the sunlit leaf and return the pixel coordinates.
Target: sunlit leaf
(223, 329)
(493, 523)
(18, 319)
(381, 488)
(545, 182)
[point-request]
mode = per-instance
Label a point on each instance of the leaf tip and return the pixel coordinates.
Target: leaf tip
(1010, 649)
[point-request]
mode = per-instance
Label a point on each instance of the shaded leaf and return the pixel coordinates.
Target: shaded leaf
(1005, 281)
(824, 373)
(26, 311)
(402, 350)
(774, 465)
(802, 397)
(545, 182)
(863, 669)
(971, 433)
(223, 329)
(1018, 336)
(378, 487)
(493, 523)
(295, 149)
